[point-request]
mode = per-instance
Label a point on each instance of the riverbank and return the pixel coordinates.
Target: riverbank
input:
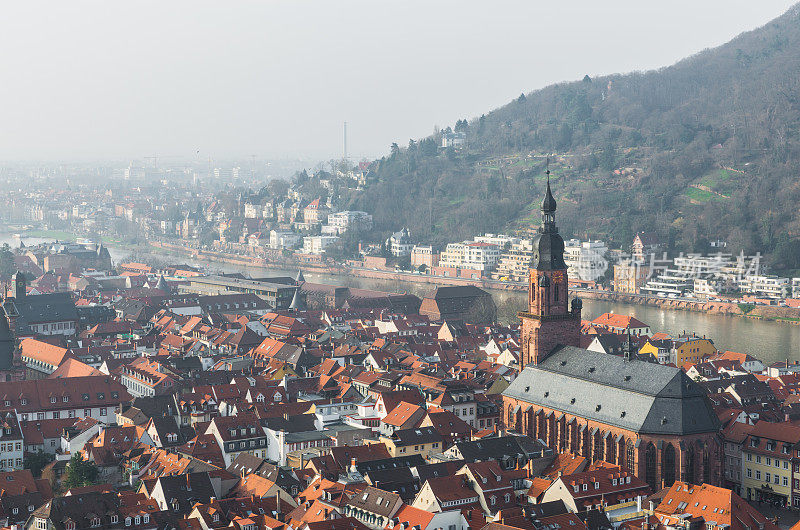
(334, 269)
(787, 315)
(60, 235)
(767, 339)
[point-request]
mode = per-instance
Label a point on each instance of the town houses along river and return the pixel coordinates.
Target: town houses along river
(769, 341)
(766, 340)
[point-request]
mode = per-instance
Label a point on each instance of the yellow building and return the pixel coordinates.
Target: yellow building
(277, 370)
(630, 277)
(691, 350)
(658, 349)
(423, 441)
(767, 462)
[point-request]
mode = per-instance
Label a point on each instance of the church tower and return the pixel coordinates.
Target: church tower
(549, 320)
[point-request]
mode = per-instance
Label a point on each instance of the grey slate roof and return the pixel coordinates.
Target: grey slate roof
(297, 302)
(34, 309)
(421, 435)
(390, 464)
(634, 395)
(503, 449)
(162, 284)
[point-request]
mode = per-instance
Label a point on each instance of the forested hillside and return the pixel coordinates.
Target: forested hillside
(707, 148)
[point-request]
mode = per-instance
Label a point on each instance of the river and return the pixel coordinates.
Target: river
(769, 341)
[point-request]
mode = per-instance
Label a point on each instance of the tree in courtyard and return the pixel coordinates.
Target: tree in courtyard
(79, 472)
(36, 462)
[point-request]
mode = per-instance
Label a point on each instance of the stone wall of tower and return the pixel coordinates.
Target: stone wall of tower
(550, 299)
(540, 335)
(548, 321)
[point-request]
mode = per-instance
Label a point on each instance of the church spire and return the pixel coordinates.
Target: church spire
(548, 246)
(548, 208)
(549, 321)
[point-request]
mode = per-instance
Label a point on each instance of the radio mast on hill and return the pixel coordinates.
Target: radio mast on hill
(345, 141)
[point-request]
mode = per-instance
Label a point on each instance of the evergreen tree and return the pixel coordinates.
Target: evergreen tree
(79, 472)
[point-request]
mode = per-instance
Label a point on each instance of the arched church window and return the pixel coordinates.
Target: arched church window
(650, 466)
(668, 466)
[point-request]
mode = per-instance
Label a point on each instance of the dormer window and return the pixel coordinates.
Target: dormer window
(596, 485)
(65, 399)
(23, 401)
(585, 487)
(215, 518)
(114, 519)
(95, 522)
(146, 518)
(52, 399)
(70, 525)
(138, 520)
(7, 403)
(127, 521)
(85, 397)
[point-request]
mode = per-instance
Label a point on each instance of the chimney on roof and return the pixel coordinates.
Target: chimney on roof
(353, 462)
(278, 505)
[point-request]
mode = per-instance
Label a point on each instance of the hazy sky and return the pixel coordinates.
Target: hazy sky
(83, 80)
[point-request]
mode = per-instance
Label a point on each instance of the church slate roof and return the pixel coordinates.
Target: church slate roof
(35, 309)
(633, 395)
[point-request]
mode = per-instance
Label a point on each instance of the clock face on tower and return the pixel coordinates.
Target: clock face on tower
(557, 276)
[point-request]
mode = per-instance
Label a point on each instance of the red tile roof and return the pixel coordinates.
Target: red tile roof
(402, 414)
(42, 351)
(614, 320)
(712, 503)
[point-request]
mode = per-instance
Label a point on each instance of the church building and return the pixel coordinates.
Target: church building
(650, 419)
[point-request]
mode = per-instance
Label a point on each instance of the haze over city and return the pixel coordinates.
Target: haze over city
(421, 265)
(110, 80)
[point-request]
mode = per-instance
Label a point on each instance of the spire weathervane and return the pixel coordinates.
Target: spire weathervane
(548, 205)
(547, 170)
